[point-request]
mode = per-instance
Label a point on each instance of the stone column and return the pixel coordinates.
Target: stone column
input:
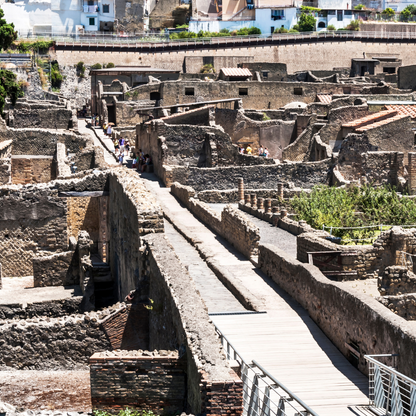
(240, 189)
(280, 190)
(253, 200)
(412, 172)
(268, 206)
(260, 203)
(283, 213)
(275, 210)
(247, 199)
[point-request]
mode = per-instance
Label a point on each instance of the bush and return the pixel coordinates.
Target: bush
(40, 45)
(389, 12)
(411, 8)
(307, 23)
(405, 14)
(80, 69)
(281, 30)
(295, 29)
(56, 76)
(110, 65)
(331, 27)
(96, 66)
(359, 7)
(207, 69)
(354, 25)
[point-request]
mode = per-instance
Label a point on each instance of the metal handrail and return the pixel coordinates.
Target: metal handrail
(267, 403)
(283, 387)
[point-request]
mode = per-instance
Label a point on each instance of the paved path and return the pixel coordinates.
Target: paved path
(108, 157)
(268, 233)
(216, 296)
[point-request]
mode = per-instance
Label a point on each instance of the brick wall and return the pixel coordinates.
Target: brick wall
(29, 169)
(138, 379)
(83, 214)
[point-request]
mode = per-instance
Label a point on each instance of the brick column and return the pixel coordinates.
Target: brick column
(254, 200)
(268, 206)
(247, 199)
(412, 172)
(280, 190)
(260, 203)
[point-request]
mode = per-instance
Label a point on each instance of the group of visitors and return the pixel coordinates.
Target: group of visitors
(122, 148)
(141, 161)
(108, 129)
(249, 151)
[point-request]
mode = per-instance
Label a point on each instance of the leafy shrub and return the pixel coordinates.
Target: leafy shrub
(293, 30)
(56, 76)
(405, 14)
(389, 12)
(331, 27)
(354, 25)
(41, 45)
(359, 7)
(307, 23)
(80, 69)
(110, 65)
(96, 66)
(281, 30)
(207, 69)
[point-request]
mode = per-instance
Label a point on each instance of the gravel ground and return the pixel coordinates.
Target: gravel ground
(65, 391)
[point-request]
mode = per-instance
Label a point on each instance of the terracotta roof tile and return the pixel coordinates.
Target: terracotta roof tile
(236, 72)
(382, 122)
(360, 122)
(409, 110)
(324, 98)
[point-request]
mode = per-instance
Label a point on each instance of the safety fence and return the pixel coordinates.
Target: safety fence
(263, 394)
(391, 393)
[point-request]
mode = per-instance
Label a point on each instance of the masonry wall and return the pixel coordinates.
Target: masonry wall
(84, 214)
(322, 55)
(26, 169)
(344, 315)
(50, 118)
(255, 177)
(51, 343)
(133, 212)
(120, 380)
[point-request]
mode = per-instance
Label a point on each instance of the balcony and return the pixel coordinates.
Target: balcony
(90, 8)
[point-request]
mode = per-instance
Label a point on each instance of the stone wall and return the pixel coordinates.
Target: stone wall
(397, 280)
(406, 77)
(402, 305)
(344, 315)
(33, 220)
(133, 213)
(142, 379)
(84, 214)
(32, 169)
(60, 269)
(52, 343)
(232, 225)
(294, 55)
(255, 177)
(52, 117)
(177, 324)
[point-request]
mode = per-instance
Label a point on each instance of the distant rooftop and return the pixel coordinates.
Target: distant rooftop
(324, 98)
(236, 72)
(408, 110)
(127, 69)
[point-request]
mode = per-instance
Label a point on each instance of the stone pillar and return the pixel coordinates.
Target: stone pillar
(247, 199)
(283, 213)
(240, 189)
(412, 172)
(260, 203)
(280, 190)
(268, 206)
(253, 200)
(275, 210)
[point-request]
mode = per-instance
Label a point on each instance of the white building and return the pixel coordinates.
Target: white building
(59, 16)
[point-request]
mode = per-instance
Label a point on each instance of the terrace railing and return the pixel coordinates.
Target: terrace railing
(391, 393)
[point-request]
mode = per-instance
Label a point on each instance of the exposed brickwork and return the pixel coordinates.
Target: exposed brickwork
(83, 214)
(138, 379)
(26, 169)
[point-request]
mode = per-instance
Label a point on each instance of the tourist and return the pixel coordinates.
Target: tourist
(109, 131)
(120, 158)
(241, 149)
(249, 150)
(116, 146)
(121, 142)
(261, 151)
(266, 152)
(127, 147)
(141, 159)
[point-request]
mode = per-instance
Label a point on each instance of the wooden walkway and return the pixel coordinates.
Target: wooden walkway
(296, 352)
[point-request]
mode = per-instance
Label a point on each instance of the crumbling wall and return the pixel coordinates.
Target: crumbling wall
(344, 315)
(32, 169)
(84, 214)
(162, 372)
(51, 117)
(402, 305)
(255, 177)
(397, 280)
(52, 343)
(133, 213)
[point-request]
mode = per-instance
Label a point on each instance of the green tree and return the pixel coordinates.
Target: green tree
(307, 23)
(389, 12)
(7, 33)
(8, 88)
(359, 7)
(405, 14)
(411, 8)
